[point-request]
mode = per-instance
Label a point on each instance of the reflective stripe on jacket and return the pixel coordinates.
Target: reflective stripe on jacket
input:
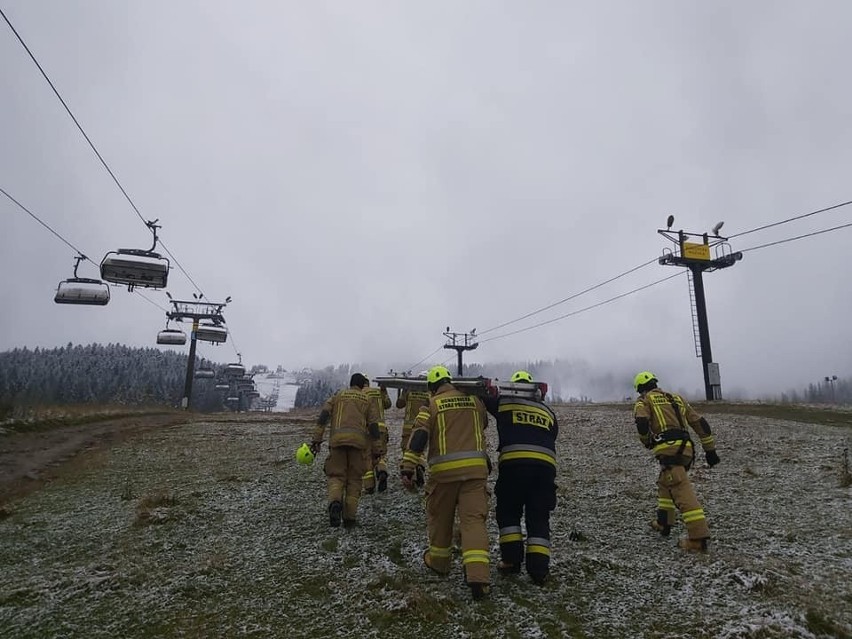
(350, 412)
(668, 434)
(454, 424)
(412, 402)
(527, 431)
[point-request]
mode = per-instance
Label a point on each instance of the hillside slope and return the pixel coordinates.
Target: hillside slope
(212, 529)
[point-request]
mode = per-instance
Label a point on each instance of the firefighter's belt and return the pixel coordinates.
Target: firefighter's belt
(671, 435)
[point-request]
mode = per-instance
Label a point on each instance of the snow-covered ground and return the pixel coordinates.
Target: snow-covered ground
(286, 391)
(212, 529)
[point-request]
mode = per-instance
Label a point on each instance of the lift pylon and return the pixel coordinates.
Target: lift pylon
(693, 251)
(197, 311)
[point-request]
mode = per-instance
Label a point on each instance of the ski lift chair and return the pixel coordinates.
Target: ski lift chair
(223, 387)
(211, 333)
(172, 337)
(82, 290)
(136, 267)
(236, 370)
(204, 373)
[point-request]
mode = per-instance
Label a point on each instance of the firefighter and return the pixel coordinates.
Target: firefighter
(527, 431)
(354, 427)
(377, 463)
(412, 401)
(661, 419)
(452, 424)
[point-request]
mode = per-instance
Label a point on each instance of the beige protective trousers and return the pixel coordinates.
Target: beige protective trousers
(376, 459)
(674, 490)
(406, 435)
(345, 468)
(470, 498)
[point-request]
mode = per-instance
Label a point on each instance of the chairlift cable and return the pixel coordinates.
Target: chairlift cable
(233, 344)
(660, 281)
(96, 152)
(91, 144)
(45, 225)
(582, 310)
(570, 297)
(68, 110)
(413, 366)
(69, 244)
(791, 219)
(182, 269)
(798, 237)
(636, 268)
(149, 300)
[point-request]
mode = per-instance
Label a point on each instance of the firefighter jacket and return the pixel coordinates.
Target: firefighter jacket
(527, 430)
(662, 418)
(453, 424)
(412, 402)
(349, 414)
(379, 401)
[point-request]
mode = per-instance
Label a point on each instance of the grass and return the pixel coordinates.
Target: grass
(58, 418)
(829, 416)
(212, 529)
(153, 508)
(808, 414)
(818, 624)
(331, 544)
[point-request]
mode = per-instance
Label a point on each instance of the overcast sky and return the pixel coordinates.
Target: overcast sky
(359, 175)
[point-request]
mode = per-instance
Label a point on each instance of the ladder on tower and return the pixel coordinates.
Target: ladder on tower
(693, 307)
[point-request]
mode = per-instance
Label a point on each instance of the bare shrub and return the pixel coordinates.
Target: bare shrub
(153, 508)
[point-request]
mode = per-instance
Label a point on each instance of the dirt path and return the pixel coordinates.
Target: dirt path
(28, 460)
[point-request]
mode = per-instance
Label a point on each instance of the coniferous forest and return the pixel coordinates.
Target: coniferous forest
(124, 375)
(101, 374)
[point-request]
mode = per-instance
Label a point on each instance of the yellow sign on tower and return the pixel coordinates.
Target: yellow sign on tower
(693, 251)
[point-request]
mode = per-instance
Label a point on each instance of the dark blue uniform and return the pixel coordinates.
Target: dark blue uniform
(526, 481)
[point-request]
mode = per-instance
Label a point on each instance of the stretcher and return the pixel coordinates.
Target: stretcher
(480, 386)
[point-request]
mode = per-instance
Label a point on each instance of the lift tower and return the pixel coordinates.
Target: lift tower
(460, 342)
(211, 330)
(692, 250)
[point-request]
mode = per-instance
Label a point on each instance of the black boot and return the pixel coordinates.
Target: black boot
(539, 578)
(335, 509)
(383, 481)
(420, 476)
(479, 591)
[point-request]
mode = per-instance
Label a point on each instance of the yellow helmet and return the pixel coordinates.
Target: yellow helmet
(437, 373)
(521, 376)
(643, 378)
(304, 455)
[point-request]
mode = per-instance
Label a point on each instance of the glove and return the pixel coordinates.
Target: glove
(712, 458)
(315, 447)
(407, 479)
